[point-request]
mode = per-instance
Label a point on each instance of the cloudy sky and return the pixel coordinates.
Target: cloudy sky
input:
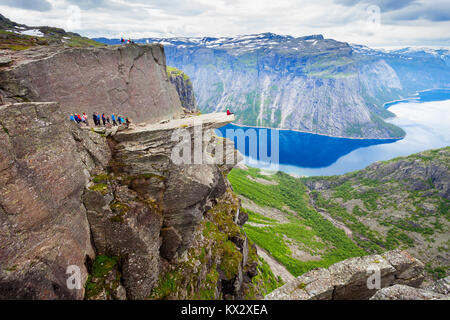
(377, 23)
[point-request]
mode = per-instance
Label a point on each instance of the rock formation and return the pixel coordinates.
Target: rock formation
(349, 279)
(129, 80)
(402, 292)
(184, 88)
(112, 202)
(43, 225)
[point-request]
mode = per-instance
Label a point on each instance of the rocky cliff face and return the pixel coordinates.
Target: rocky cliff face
(312, 85)
(42, 218)
(119, 209)
(129, 80)
(111, 203)
(184, 88)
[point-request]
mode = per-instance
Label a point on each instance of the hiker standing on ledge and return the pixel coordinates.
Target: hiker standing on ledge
(127, 121)
(113, 118)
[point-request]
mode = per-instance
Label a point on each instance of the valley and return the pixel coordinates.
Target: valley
(305, 223)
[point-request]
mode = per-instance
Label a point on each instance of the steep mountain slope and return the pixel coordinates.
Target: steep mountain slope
(183, 85)
(310, 83)
(314, 222)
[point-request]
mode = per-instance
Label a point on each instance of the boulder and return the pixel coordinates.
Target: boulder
(402, 292)
(441, 286)
(352, 279)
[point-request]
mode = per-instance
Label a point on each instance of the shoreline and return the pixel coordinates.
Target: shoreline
(415, 96)
(393, 102)
(319, 134)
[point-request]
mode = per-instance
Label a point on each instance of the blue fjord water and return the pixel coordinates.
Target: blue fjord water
(424, 117)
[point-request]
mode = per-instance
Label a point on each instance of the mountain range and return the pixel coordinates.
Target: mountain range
(310, 83)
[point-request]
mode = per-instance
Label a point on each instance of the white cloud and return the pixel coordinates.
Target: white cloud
(413, 22)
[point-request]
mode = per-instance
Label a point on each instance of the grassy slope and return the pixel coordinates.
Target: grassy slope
(306, 228)
(382, 214)
(14, 41)
(10, 38)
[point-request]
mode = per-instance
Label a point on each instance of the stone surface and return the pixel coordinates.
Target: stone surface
(130, 80)
(43, 225)
(71, 195)
(348, 279)
(145, 155)
(184, 88)
(123, 225)
(402, 292)
(441, 286)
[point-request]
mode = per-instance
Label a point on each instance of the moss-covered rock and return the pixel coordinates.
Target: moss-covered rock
(104, 280)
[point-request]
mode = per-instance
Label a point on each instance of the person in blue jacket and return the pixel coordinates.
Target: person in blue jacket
(113, 118)
(72, 118)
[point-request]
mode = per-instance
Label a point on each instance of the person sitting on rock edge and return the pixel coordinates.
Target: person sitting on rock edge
(229, 113)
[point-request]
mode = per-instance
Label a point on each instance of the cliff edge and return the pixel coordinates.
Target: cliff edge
(130, 80)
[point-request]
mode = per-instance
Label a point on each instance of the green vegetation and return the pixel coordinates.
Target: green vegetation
(394, 131)
(100, 279)
(18, 42)
(4, 129)
(438, 272)
(257, 218)
(380, 213)
(100, 187)
(265, 281)
(306, 230)
(354, 130)
(215, 256)
(249, 115)
(120, 210)
(231, 259)
(172, 71)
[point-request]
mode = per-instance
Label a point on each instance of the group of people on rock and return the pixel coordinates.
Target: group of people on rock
(99, 119)
(122, 40)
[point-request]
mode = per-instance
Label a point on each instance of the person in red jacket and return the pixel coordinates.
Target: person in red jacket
(229, 113)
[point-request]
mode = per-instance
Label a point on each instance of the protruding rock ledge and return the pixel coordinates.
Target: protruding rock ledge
(207, 121)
